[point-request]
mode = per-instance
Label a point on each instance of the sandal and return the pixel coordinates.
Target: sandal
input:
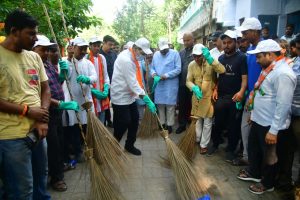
(203, 150)
(259, 188)
(59, 186)
(245, 176)
(240, 162)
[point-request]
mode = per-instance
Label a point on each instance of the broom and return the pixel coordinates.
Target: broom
(101, 187)
(187, 143)
(149, 126)
(107, 149)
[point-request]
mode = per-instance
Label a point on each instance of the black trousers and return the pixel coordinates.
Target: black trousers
(227, 117)
(184, 105)
(126, 118)
(259, 154)
(55, 140)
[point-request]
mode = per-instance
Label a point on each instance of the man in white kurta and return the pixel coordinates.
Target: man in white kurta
(165, 71)
(82, 71)
(126, 87)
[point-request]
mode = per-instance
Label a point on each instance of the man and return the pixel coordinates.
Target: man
(293, 50)
(166, 68)
(251, 30)
(25, 99)
(217, 43)
(270, 102)
(184, 95)
(55, 134)
(116, 47)
(81, 71)
(201, 80)
(126, 86)
(231, 88)
(110, 56)
(100, 89)
(244, 45)
(289, 33)
(265, 33)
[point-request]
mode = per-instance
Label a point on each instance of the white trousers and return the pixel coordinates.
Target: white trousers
(166, 114)
(203, 131)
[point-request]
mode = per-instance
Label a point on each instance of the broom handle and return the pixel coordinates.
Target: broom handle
(65, 74)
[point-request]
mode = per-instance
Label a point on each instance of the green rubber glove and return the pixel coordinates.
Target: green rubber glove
(197, 91)
(207, 56)
(83, 79)
(98, 94)
(105, 90)
(64, 69)
(238, 105)
(155, 82)
(149, 104)
(70, 105)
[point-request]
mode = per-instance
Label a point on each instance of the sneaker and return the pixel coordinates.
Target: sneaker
(211, 150)
(169, 128)
(133, 151)
(246, 176)
(180, 129)
(259, 188)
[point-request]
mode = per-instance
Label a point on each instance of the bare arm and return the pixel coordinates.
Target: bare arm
(11, 108)
(239, 96)
(46, 95)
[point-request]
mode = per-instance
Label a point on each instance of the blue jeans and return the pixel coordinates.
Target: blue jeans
(101, 116)
(16, 169)
(40, 171)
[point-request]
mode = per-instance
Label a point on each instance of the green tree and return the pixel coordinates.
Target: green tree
(75, 13)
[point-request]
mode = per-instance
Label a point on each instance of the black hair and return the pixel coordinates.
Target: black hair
(20, 20)
(277, 53)
(265, 27)
(108, 38)
(290, 25)
(293, 43)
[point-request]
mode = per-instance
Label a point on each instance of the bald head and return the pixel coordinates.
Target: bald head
(188, 40)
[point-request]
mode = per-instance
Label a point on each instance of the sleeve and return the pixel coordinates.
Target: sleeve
(285, 86)
(92, 74)
(175, 72)
(42, 72)
(218, 67)
(129, 72)
(71, 68)
(244, 67)
(190, 77)
(106, 77)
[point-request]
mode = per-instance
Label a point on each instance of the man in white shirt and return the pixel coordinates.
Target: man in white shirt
(271, 102)
(217, 42)
(126, 87)
(289, 33)
(101, 87)
(81, 70)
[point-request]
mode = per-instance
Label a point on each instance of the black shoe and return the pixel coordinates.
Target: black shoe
(169, 128)
(109, 124)
(211, 151)
(230, 157)
(180, 129)
(164, 127)
(133, 151)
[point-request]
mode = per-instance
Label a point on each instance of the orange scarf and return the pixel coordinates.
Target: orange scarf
(138, 69)
(104, 102)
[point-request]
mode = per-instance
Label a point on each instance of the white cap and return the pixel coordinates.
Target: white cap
(42, 41)
(197, 50)
(229, 33)
(250, 24)
(163, 43)
(266, 46)
(144, 44)
(94, 40)
(238, 33)
(129, 44)
(78, 41)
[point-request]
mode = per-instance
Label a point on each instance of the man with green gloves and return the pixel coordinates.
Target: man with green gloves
(101, 87)
(81, 71)
(126, 87)
(201, 79)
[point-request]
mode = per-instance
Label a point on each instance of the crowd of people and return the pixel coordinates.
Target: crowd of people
(245, 92)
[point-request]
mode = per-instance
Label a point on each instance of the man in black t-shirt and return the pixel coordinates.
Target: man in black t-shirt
(231, 88)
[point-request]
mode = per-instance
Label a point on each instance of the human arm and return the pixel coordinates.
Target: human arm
(193, 87)
(218, 67)
(240, 94)
(45, 95)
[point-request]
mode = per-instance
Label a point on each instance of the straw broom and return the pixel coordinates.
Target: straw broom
(101, 186)
(149, 126)
(187, 142)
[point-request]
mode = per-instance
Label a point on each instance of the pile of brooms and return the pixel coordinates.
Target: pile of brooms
(106, 157)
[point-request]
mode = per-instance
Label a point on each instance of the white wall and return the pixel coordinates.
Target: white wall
(227, 9)
(265, 7)
(292, 6)
(243, 8)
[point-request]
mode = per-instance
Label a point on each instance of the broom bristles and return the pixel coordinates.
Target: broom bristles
(185, 177)
(101, 187)
(149, 126)
(107, 151)
(187, 143)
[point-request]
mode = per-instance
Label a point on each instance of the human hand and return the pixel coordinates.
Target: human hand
(83, 79)
(271, 138)
(197, 91)
(207, 56)
(69, 105)
(42, 129)
(238, 96)
(38, 114)
(215, 95)
(163, 77)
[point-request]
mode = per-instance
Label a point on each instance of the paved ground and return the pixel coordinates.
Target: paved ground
(149, 180)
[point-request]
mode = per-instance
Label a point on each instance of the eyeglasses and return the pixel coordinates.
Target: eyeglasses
(196, 56)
